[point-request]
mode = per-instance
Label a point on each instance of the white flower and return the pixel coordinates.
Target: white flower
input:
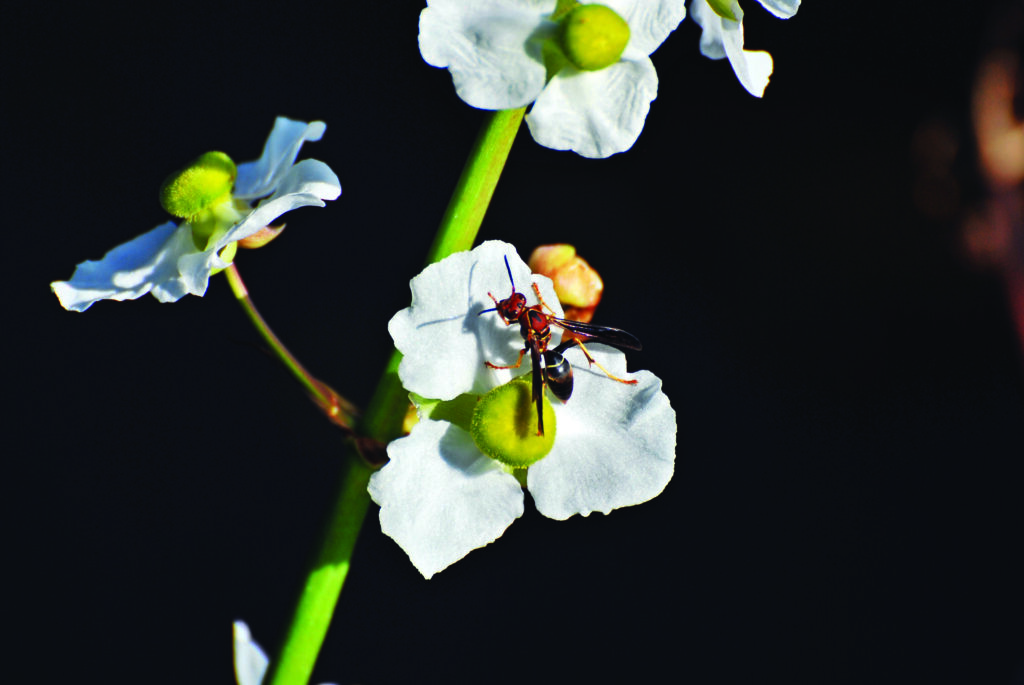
(250, 661)
(166, 262)
(723, 37)
(440, 497)
(493, 49)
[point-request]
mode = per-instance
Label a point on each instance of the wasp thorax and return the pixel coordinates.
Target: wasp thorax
(504, 425)
(593, 37)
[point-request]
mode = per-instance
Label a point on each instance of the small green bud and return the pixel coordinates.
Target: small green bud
(198, 186)
(722, 8)
(504, 425)
(594, 36)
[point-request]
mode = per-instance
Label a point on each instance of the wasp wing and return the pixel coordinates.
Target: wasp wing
(616, 337)
(538, 382)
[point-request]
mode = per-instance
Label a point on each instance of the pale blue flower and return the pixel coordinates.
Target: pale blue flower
(441, 497)
(166, 262)
(723, 37)
(493, 49)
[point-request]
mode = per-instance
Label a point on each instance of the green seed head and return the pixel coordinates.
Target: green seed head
(199, 186)
(594, 36)
(504, 425)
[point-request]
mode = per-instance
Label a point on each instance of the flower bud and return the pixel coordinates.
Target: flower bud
(594, 37)
(504, 425)
(577, 284)
(199, 186)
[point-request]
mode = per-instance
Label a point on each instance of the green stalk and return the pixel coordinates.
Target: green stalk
(472, 195)
(457, 232)
(276, 346)
(338, 409)
(383, 419)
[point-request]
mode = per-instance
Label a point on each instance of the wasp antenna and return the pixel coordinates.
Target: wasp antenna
(509, 269)
(492, 309)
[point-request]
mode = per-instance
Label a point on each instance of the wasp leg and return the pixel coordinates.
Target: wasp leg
(518, 363)
(594, 362)
(536, 291)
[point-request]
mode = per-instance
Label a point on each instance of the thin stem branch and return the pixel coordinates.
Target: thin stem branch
(337, 408)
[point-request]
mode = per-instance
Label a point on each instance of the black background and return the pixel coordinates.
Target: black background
(846, 506)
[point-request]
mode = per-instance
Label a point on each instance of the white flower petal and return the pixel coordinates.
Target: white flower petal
(724, 38)
(148, 263)
(649, 22)
(250, 661)
(165, 261)
(441, 498)
(443, 337)
(615, 445)
(306, 184)
(259, 178)
(595, 113)
(783, 9)
(491, 48)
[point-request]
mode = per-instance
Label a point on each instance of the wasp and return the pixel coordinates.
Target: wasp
(550, 367)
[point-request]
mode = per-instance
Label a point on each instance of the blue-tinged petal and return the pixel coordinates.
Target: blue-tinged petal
(306, 184)
(649, 22)
(148, 263)
(250, 661)
(491, 48)
(443, 337)
(260, 178)
(616, 442)
(723, 37)
(440, 498)
(783, 9)
(595, 113)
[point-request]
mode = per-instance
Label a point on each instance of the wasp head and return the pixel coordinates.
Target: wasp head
(511, 308)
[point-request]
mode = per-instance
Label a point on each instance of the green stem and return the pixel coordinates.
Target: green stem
(323, 584)
(383, 419)
(457, 232)
(465, 213)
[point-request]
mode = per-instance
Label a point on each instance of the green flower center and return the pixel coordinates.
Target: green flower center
(201, 194)
(593, 36)
(199, 186)
(504, 425)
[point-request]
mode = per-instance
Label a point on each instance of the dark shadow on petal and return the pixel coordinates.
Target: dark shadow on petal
(459, 451)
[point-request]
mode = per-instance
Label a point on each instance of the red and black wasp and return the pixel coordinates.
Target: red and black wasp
(550, 368)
